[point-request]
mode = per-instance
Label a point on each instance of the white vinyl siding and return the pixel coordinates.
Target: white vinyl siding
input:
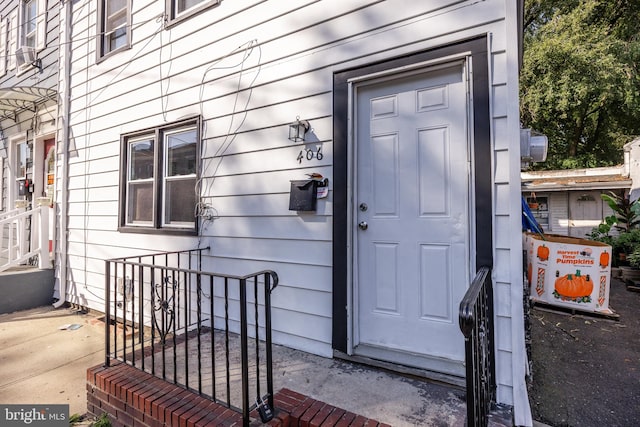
(3, 202)
(4, 24)
(249, 69)
(41, 25)
(13, 39)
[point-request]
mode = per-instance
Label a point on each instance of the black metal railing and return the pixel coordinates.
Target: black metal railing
(207, 332)
(476, 323)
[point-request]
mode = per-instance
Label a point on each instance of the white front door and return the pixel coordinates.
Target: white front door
(411, 218)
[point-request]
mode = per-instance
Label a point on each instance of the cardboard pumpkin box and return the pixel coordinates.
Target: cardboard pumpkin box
(569, 272)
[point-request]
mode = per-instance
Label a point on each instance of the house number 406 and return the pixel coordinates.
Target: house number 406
(309, 154)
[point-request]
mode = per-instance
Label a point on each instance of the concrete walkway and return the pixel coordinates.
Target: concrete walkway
(40, 363)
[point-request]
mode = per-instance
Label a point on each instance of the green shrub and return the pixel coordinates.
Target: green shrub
(102, 421)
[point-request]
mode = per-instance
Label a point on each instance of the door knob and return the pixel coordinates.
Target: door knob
(363, 225)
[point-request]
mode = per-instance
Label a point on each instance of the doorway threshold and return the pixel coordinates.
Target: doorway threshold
(453, 381)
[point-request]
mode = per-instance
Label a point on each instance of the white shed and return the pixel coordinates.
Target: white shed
(568, 202)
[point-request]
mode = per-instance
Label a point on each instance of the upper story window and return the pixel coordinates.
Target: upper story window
(159, 175)
(114, 21)
(181, 9)
(27, 34)
(30, 14)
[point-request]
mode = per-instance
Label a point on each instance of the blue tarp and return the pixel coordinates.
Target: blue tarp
(529, 223)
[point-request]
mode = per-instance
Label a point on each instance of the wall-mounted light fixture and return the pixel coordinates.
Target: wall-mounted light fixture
(298, 129)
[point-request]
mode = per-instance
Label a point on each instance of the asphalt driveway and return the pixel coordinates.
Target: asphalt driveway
(586, 369)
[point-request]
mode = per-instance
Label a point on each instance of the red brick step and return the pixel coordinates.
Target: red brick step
(133, 398)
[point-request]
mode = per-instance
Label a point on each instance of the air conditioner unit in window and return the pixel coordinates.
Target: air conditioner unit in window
(26, 55)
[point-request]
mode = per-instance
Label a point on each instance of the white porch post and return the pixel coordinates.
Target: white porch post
(43, 236)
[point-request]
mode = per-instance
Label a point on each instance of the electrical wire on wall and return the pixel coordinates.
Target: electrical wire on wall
(89, 103)
(122, 69)
(203, 210)
(164, 95)
(90, 37)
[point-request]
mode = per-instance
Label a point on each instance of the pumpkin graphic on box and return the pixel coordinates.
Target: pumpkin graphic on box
(604, 259)
(574, 287)
(543, 253)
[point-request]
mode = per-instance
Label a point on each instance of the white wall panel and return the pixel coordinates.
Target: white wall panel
(501, 139)
(503, 339)
(500, 100)
(502, 168)
(502, 234)
(502, 299)
(502, 199)
(265, 205)
(260, 182)
(320, 228)
(499, 68)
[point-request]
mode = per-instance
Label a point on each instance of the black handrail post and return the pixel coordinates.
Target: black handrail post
(107, 292)
(476, 323)
(140, 311)
(267, 327)
(491, 334)
(244, 349)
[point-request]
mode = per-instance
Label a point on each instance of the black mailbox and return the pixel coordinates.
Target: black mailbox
(303, 195)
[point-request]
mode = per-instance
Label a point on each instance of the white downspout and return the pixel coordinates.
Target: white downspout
(63, 96)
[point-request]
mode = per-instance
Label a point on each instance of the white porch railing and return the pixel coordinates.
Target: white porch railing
(24, 234)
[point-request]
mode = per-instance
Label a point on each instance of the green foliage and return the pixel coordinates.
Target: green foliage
(102, 421)
(626, 242)
(580, 83)
(627, 213)
(74, 419)
(626, 219)
(634, 258)
(601, 232)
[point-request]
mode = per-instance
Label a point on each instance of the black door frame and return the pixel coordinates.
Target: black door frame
(482, 163)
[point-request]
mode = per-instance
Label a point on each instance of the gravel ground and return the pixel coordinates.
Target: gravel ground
(586, 369)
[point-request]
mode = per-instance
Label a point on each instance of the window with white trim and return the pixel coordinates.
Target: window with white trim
(27, 33)
(159, 176)
(114, 21)
(22, 166)
(29, 16)
(180, 9)
(22, 160)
